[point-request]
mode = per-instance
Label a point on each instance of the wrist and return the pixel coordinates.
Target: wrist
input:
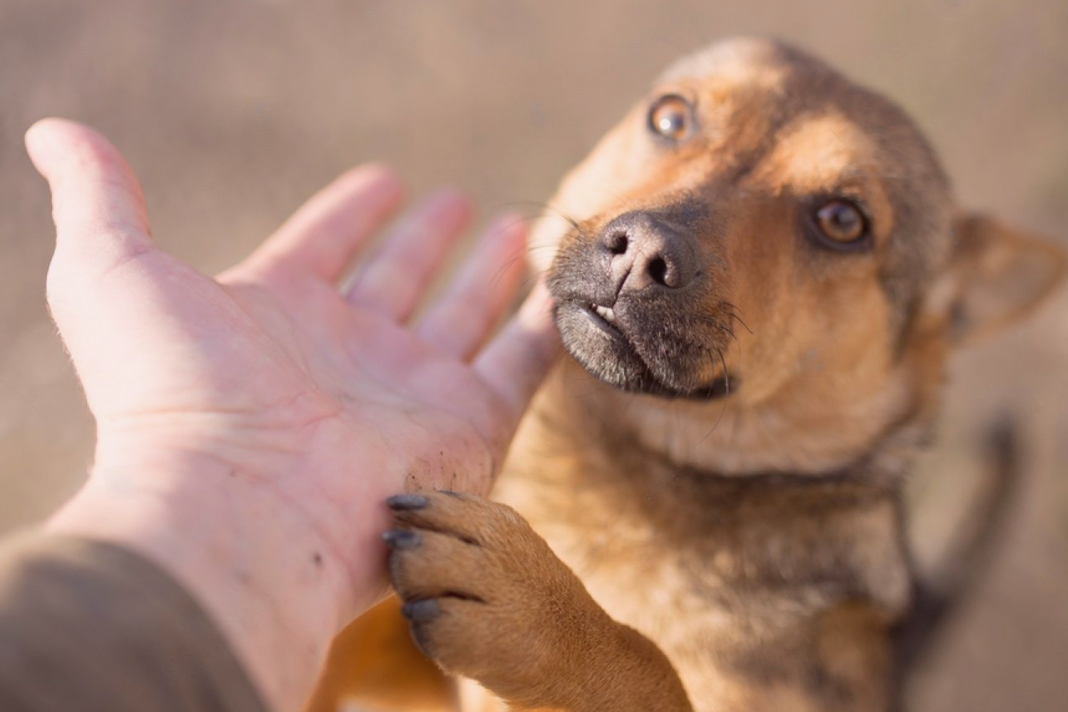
(261, 571)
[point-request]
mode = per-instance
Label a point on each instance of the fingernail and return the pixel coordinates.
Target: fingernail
(401, 502)
(421, 611)
(401, 539)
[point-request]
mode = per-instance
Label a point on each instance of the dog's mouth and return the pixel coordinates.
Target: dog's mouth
(604, 319)
(635, 358)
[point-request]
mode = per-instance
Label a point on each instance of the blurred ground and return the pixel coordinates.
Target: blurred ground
(232, 111)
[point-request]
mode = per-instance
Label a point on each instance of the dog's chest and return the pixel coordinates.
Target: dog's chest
(730, 582)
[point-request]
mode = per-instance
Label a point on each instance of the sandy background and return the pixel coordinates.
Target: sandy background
(232, 111)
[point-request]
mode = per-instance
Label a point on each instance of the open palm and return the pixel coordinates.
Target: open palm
(274, 376)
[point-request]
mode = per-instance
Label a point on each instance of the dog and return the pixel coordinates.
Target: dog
(763, 273)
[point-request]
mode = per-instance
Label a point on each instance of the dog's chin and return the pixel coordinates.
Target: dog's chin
(606, 352)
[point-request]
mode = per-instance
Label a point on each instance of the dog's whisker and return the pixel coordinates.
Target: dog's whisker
(545, 208)
(723, 409)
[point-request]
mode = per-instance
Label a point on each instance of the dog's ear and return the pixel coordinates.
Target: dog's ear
(995, 277)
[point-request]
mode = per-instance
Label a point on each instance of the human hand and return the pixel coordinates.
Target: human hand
(250, 426)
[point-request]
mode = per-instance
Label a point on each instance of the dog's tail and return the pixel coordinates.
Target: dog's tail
(938, 596)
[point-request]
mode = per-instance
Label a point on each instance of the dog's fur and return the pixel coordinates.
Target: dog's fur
(718, 473)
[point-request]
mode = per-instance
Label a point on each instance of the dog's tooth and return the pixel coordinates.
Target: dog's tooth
(606, 313)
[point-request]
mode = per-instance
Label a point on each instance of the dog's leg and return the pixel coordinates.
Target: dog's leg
(373, 666)
(486, 598)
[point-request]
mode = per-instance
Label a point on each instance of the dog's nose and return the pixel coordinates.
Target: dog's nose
(647, 252)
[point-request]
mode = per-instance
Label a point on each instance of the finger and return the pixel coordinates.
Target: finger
(97, 204)
(325, 233)
(393, 281)
(517, 360)
(463, 318)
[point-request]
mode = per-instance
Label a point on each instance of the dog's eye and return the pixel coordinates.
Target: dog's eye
(671, 117)
(841, 222)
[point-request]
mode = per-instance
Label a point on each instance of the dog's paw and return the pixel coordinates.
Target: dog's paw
(484, 595)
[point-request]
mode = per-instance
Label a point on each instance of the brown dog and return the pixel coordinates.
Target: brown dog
(763, 280)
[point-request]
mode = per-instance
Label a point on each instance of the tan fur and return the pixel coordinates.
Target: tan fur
(745, 553)
(382, 667)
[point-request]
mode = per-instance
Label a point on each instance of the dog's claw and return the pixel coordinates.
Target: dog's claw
(422, 611)
(401, 539)
(407, 502)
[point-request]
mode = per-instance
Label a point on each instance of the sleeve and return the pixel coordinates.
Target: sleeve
(91, 627)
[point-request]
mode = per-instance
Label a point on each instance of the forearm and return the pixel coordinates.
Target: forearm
(86, 625)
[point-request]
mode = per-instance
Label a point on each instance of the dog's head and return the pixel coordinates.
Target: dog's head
(761, 237)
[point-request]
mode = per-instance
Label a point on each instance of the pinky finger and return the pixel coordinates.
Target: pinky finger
(518, 359)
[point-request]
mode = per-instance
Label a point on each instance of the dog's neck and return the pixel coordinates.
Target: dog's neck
(801, 433)
(577, 466)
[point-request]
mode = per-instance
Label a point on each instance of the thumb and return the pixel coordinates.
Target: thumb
(100, 227)
(97, 205)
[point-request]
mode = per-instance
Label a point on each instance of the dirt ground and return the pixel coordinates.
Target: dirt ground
(232, 111)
